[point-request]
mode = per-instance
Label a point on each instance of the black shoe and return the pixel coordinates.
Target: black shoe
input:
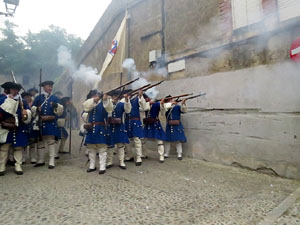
(91, 170)
(19, 172)
(101, 171)
(138, 163)
(166, 157)
(129, 160)
(123, 167)
(109, 166)
(161, 161)
(179, 158)
(63, 152)
(10, 163)
(33, 162)
(51, 167)
(2, 173)
(57, 157)
(145, 157)
(39, 164)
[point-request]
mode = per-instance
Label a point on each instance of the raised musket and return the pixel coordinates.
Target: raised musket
(177, 96)
(40, 137)
(122, 86)
(24, 117)
(137, 90)
(153, 85)
(144, 89)
(195, 96)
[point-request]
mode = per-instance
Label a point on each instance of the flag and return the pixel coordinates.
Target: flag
(116, 54)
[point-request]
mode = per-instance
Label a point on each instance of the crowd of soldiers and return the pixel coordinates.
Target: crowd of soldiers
(118, 120)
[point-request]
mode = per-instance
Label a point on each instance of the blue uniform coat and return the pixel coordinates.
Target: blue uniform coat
(174, 132)
(99, 134)
(135, 127)
(19, 137)
(48, 128)
(154, 131)
(118, 131)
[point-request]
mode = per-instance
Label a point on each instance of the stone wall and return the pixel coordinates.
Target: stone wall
(250, 116)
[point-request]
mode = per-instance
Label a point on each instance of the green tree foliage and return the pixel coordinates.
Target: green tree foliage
(26, 55)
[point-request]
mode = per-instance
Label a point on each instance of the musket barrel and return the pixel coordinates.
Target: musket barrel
(192, 97)
(178, 96)
(123, 85)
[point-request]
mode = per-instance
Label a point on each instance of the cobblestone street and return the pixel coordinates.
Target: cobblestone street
(176, 192)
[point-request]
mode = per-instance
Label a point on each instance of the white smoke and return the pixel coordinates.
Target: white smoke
(130, 66)
(85, 74)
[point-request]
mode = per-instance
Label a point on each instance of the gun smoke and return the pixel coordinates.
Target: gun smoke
(84, 73)
(130, 66)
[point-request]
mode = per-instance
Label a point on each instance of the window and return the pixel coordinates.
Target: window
(288, 9)
(246, 12)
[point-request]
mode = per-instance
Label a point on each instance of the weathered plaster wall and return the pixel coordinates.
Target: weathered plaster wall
(250, 116)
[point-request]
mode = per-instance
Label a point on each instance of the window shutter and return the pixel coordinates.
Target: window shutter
(254, 11)
(288, 9)
(270, 13)
(246, 12)
(225, 16)
(239, 12)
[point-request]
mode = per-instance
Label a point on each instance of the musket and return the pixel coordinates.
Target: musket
(123, 85)
(195, 96)
(40, 138)
(148, 87)
(152, 86)
(15, 80)
(81, 144)
(137, 90)
(20, 98)
(178, 96)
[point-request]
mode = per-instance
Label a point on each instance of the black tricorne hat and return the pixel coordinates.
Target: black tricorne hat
(48, 82)
(64, 100)
(115, 93)
(11, 85)
(33, 89)
(24, 94)
(126, 91)
(92, 92)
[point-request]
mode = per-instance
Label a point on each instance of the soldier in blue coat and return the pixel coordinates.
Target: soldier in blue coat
(47, 107)
(118, 130)
(97, 131)
(135, 127)
(61, 122)
(153, 128)
(32, 134)
(14, 115)
(174, 130)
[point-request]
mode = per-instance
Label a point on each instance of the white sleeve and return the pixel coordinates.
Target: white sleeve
(84, 117)
(108, 105)
(167, 106)
(162, 108)
(183, 108)
(142, 104)
(89, 104)
(33, 111)
(28, 120)
(59, 110)
(10, 106)
(127, 107)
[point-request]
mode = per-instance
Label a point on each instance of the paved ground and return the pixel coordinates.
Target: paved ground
(176, 192)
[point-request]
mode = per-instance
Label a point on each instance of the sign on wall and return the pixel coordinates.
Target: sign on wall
(295, 50)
